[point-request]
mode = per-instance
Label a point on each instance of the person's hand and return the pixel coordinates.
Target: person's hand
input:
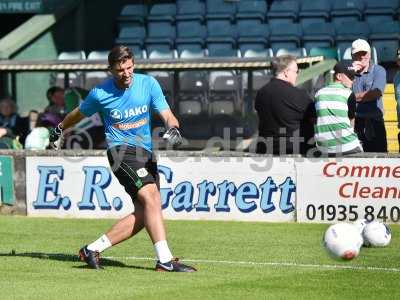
(358, 66)
(3, 132)
(55, 135)
(173, 136)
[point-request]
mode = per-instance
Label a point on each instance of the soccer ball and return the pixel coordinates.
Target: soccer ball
(343, 240)
(376, 234)
(360, 224)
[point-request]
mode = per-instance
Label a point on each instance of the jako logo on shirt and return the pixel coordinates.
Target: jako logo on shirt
(116, 114)
(132, 112)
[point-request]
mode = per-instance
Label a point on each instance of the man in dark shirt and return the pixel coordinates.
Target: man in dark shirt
(283, 111)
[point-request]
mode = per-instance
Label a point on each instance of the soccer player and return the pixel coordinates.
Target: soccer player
(125, 102)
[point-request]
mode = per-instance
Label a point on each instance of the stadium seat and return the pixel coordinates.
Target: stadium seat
(318, 35)
(221, 40)
(285, 37)
(380, 11)
(133, 37)
(254, 37)
(298, 52)
(163, 12)
(325, 52)
(161, 37)
(191, 10)
(190, 35)
(224, 93)
(192, 95)
(93, 78)
(349, 31)
(220, 10)
(347, 11)
(283, 12)
(134, 14)
(251, 10)
(75, 78)
(385, 38)
(312, 11)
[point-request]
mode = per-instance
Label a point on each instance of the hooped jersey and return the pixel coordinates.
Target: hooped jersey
(126, 113)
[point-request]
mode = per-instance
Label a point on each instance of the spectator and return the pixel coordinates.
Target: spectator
(368, 89)
(38, 138)
(11, 124)
(55, 96)
(396, 82)
(282, 109)
(335, 107)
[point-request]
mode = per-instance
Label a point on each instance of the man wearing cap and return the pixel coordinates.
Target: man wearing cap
(396, 82)
(335, 106)
(368, 90)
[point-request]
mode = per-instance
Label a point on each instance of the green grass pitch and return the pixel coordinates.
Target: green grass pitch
(235, 261)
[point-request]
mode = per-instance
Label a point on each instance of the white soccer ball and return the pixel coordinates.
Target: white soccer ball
(343, 240)
(376, 234)
(360, 224)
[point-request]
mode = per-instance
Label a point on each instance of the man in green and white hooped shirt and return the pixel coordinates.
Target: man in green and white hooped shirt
(335, 105)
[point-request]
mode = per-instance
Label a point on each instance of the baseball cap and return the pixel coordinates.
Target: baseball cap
(345, 67)
(360, 45)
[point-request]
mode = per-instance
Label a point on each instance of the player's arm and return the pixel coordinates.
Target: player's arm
(172, 135)
(169, 119)
(70, 120)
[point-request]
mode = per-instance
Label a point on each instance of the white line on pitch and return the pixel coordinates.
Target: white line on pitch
(279, 264)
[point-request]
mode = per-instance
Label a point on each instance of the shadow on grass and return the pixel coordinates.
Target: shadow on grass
(105, 262)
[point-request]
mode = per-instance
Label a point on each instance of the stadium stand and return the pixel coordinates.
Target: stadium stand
(75, 78)
(347, 11)
(283, 12)
(135, 14)
(93, 78)
(251, 10)
(220, 10)
(314, 12)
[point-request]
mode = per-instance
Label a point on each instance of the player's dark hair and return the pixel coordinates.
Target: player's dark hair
(119, 54)
(281, 63)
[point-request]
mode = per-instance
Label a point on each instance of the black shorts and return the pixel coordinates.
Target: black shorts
(134, 168)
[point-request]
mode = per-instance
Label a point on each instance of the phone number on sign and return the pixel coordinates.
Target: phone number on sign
(352, 213)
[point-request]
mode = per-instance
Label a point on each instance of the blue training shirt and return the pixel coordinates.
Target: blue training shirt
(374, 78)
(126, 113)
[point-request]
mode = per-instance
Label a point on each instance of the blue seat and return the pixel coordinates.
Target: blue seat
(191, 10)
(349, 31)
(318, 35)
(380, 11)
(283, 12)
(347, 11)
(192, 95)
(164, 12)
(190, 34)
(254, 37)
(221, 39)
(385, 37)
(220, 10)
(160, 33)
(286, 37)
(131, 35)
(325, 52)
(312, 11)
(251, 10)
(133, 14)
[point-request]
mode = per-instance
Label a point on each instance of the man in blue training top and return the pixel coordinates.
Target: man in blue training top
(125, 103)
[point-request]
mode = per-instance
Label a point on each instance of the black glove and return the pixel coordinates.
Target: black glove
(173, 136)
(55, 135)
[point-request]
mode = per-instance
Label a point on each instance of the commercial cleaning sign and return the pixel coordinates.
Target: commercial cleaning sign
(209, 188)
(348, 189)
